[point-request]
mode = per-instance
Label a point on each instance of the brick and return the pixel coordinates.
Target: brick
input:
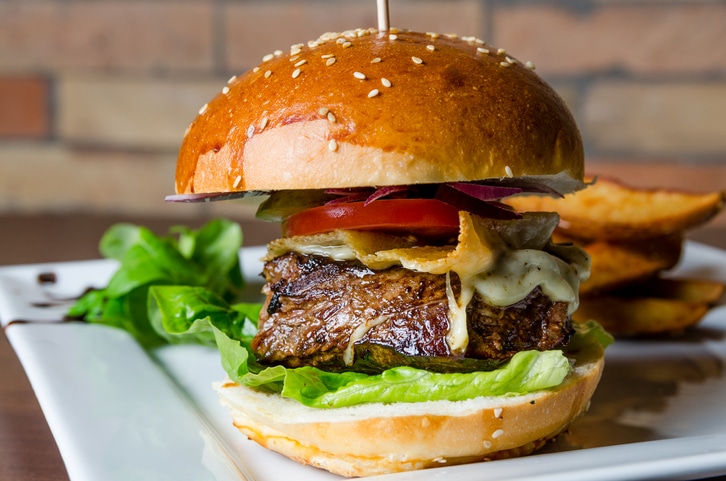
(254, 29)
(651, 38)
(24, 107)
(136, 113)
(649, 118)
(54, 179)
(106, 35)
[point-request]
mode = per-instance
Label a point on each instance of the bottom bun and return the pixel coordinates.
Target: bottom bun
(372, 439)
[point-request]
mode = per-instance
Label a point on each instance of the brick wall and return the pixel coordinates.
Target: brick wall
(95, 95)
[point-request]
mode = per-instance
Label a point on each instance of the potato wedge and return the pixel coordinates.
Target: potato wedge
(688, 290)
(640, 316)
(609, 209)
(617, 264)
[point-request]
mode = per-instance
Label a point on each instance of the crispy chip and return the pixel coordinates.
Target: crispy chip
(609, 209)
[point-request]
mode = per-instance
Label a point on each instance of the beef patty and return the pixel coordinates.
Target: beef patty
(396, 316)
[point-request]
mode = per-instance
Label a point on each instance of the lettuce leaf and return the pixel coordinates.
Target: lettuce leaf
(208, 257)
(188, 311)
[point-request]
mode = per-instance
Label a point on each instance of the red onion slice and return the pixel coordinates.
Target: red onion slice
(485, 192)
(483, 208)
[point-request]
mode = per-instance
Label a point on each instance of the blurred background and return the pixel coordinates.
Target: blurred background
(95, 95)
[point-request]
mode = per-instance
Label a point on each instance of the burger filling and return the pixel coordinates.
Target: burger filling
(368, 301)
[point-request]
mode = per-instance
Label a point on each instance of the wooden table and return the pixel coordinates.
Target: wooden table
(27, 449)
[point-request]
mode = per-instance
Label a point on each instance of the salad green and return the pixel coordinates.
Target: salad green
(208, 257)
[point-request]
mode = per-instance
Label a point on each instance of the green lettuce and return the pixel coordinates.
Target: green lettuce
(208, 257)
(189, 311)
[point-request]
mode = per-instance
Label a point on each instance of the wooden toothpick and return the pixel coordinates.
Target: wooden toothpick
(382, 15)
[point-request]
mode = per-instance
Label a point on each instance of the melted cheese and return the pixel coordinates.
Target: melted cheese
(358, 333)
(501, 261)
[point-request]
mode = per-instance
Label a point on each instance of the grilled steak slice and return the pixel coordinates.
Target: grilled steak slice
(396, 316)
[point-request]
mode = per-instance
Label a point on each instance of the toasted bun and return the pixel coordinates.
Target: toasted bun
(429, 109)
(373, 439)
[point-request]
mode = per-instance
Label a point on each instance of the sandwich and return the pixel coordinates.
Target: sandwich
(411, 319)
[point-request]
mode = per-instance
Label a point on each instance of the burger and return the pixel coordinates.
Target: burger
(434, 319)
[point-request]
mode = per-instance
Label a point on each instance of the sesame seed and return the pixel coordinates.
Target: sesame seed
(256, 69)
(237, 180)
(346, 44)
(511, 60)
(296, 73)
(376, 60)
(225, 90)
(385, 82)
(505, 64)
(329, 36)
(327, 55)
(497, 433)
(430, 47)
(301, 63)
(508, 171)
(417, 60)
(313, 44)
(264, 122)
(451, 35)
(497, 412)
(277, 53)
(268, 57)
(323, 111)
(330, 61)
(203, 109)
(482, 50)
(250, 131)
(331, 117)
(359, 75)
(501, 51)
(479, 41)
(392, 37)
(487, 444)
(373, 93)
(234, 77)
(332, 145)
(529, 64)
(268, 73)
(433, 35)
(340, 41)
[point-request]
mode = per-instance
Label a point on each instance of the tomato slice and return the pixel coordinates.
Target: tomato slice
(423, 217)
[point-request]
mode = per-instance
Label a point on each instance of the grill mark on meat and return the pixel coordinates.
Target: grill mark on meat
(314, 304)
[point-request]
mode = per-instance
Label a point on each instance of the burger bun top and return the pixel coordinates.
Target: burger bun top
(365, 108)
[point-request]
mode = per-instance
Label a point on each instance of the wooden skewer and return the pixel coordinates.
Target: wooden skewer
(382, 15)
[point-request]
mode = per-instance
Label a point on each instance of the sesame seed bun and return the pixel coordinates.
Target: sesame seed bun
(363, 109)
(373, 439)
(368, 109)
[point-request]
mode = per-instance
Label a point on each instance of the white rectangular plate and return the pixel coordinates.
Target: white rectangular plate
(119, 413)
